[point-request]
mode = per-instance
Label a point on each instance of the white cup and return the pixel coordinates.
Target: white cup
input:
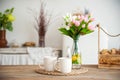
(49, 63)
(64, 65)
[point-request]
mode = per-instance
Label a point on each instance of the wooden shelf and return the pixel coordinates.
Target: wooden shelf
(13, 50)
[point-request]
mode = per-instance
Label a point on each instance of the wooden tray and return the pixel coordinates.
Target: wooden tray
(57, 73)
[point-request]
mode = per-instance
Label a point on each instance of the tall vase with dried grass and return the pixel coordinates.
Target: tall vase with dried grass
(42, 23)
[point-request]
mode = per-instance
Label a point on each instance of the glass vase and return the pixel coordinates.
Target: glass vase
(76, 55)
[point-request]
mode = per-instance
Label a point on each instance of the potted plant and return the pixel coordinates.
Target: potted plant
(6, 19)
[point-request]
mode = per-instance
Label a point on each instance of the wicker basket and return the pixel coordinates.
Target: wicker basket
(109, 59)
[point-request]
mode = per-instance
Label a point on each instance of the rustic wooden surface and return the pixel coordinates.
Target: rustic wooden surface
(28, 73)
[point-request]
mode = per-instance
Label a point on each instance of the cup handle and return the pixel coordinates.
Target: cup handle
(41, 66)
(57, 65)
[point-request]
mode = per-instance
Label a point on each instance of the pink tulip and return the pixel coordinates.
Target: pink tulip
(77, 23)
(92, 28)
(86, 18)
(92, 19)
(82, 17)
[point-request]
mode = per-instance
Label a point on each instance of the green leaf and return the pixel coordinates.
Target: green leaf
(89, 32)
(7, 10)
(66, 23)
(64, 31)
(0, 25)
(72, 29)
(86, 25)
(9, 26)
(0, 14)
(12, 9)
(84, 30)
(80, 27)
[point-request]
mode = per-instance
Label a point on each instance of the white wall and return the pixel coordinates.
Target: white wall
(106, 12)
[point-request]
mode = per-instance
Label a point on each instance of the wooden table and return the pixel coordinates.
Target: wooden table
(27, 72)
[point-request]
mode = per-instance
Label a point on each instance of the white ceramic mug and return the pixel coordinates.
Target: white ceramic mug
(49, 63)
(64, 65)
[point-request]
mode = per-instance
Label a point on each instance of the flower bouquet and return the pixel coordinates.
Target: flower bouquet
(76, 25)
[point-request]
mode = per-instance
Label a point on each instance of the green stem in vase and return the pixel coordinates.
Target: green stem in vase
(75, 47)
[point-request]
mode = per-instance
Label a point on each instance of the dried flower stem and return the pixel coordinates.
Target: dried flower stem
(42, 23)
(42, 26)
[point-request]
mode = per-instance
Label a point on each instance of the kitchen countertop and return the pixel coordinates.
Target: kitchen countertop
(27, 72)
